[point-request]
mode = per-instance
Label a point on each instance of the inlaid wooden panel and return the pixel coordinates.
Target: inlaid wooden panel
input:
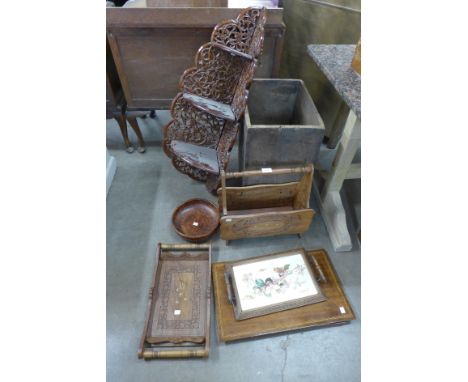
(179, 307)
(260, 224)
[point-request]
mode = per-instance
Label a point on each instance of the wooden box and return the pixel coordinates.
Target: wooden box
(282, 127)
(153, 44)
(177, 323)
(335, 310)
(265, 209)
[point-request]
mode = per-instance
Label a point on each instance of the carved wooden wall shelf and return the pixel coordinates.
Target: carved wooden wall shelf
(212, 98)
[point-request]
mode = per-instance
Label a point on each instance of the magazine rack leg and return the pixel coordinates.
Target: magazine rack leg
(329, 199)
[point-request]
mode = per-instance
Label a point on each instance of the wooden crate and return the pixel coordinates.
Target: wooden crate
(281, 128)
(265, 209)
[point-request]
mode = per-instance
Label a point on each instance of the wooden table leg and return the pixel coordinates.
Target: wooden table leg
(120, 118)
(330, 202)
(134, 124)
(338, 126)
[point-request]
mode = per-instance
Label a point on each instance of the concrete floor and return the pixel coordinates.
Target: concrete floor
(145, 190)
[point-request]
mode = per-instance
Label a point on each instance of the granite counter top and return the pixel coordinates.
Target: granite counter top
(335, 63)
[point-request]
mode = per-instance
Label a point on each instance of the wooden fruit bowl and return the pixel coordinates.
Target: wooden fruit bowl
(196, 220)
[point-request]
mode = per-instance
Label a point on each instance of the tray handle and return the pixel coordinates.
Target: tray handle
(185, 246)
(319, 269)
(230, 293)
(153, 354)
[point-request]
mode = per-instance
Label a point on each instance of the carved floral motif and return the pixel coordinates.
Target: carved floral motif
(216, 75)
(238, 34)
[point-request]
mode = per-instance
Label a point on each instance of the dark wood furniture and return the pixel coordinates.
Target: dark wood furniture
(335, 310)
(213, 96)
(152, 45)
(116, 105)
(265, 209)
(177, 323)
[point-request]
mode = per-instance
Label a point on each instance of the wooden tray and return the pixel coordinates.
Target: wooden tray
(196, 220)
(177, 323)
(335, 310)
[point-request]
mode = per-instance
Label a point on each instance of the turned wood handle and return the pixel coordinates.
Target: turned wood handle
(231, 297)
(319, 270)
(154, 354)
(185, 246)
(274, 171)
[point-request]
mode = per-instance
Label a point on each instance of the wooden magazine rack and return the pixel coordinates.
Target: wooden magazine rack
(212, 98)
(265, 209)
(177, 323)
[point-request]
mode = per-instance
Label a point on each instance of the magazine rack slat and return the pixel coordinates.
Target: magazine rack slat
(265, 209)
(213, 96)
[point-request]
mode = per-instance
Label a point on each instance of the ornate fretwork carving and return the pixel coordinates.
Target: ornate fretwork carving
(191, 171)
(192, 125)
(238, 34)
(224, 69)
(216, 75)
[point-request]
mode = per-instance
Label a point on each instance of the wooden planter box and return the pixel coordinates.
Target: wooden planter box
(265, 209)
(282, 127)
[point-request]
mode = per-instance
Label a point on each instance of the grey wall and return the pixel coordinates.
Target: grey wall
(312, 22)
